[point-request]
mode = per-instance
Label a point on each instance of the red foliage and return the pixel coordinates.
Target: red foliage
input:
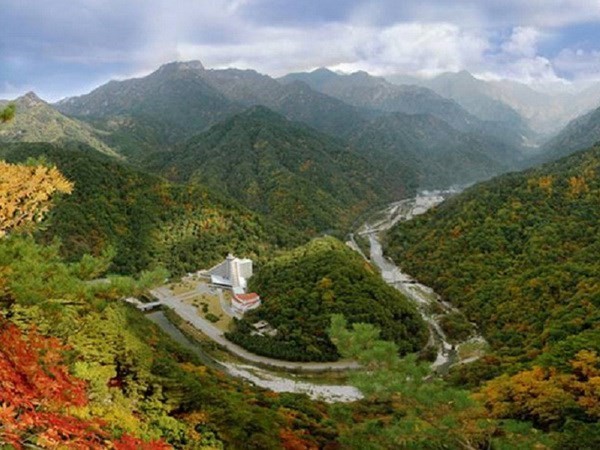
(292, 441)
(36, 391)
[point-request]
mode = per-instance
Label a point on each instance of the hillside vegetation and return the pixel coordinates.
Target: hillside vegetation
(302, 288)
(143, 220)
(37, 121)
(520, 255)
(285, 170)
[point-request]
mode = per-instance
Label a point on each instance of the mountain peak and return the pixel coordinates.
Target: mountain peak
(30, 99)
(181, 66)
(323, 71)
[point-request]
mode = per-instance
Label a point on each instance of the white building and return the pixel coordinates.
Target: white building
(233, 272)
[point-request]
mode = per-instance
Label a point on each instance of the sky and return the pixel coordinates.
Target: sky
(60, 48)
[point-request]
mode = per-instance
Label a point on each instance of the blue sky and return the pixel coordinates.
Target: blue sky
(67, 47)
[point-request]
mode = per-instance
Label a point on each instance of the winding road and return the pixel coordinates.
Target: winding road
(188, 313)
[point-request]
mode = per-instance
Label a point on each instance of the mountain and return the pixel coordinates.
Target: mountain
(37, 121)
(296, 101)
(279, 168)
(543, 109)
(365, 91)
(304, 287)
(143, 219)
(170, 104)
(520, 256)
(180, 99)
(580, 133)
(474, 96)
(424, 145)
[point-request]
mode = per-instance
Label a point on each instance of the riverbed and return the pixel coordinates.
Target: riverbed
(423, 296)
(260, 377)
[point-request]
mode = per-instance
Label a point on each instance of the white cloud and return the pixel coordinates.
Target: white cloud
(581, 64)
(522, 42)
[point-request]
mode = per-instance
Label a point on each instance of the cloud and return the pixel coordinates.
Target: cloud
(63, 47)
(522, 42)
(578, 63)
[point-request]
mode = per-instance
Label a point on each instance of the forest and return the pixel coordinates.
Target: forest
(81, 369)
(302, 288)
(520, 256)
(144, 221)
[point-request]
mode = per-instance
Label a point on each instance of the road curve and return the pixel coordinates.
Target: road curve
(188, 313)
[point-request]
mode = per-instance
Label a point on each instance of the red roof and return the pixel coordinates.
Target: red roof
(247, 298)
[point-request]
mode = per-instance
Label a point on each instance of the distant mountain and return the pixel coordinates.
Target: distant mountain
(365, 91)
(283, 169)
(160, 109)
(144, 219)
(581, 133)
(439, 154)
(520, 256)
(473, 95)
(545, 110)
(296, 101)
(180, 99)
(37, 121)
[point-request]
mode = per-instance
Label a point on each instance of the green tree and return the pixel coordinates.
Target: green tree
(8, 113)
(407, 407)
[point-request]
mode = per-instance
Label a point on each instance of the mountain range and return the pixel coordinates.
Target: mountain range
(326, 145)
(178, 168)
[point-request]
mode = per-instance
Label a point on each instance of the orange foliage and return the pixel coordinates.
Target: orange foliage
(577, 186)
(25, 193)
(36, 392)
(543, 395)
(545, 184)
(291, 441)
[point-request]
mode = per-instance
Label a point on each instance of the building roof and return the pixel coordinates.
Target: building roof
(247, 298)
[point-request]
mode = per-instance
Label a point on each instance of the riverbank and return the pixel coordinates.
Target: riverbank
(432, 308)
(260, 377)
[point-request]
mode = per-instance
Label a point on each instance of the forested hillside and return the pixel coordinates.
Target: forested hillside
(426, 152)
(81, 369)
(520, 255)
(143, 221)
(304, 287)
(285, 170)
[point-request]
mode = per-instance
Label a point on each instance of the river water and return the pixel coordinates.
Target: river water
(423, 296)
(258, 376)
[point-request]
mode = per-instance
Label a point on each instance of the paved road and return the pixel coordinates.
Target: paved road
(188, 313)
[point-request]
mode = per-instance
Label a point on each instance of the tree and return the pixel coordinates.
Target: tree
(26, 192)
(37, 394)
(8, 113)
(420, 411)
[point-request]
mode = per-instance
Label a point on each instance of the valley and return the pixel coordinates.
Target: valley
(429, 304)
(368, 306)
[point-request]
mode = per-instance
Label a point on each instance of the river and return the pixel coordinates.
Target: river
(423, 296)
(260, 377)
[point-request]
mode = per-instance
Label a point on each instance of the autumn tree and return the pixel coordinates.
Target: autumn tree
(26, 192)
(38, 395)
(547, 396)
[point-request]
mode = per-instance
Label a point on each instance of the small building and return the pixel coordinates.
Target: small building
(245, 302)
